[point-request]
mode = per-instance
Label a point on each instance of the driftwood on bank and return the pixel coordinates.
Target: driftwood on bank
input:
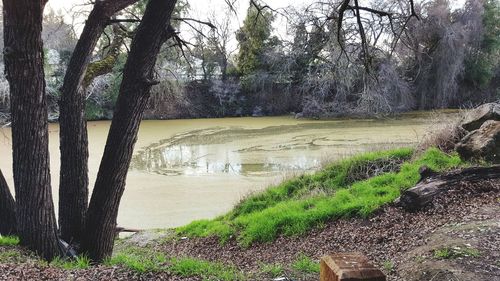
(432, 184)
(124, 229)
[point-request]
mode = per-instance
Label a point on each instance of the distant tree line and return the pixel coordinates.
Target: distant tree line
(440, 58)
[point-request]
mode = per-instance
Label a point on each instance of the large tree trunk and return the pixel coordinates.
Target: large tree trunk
(134, 94)
(23, 52)
(73, 187)
(7, 209)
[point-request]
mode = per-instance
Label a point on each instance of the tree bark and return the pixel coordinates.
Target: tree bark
(73, 187)
(106, 64)
(23, 55)
(7, 209)
(433, 184)
(134, 94)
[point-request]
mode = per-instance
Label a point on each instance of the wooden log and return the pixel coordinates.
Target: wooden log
(348, 267)
(432, 184)
(120, 229)
(124, 229)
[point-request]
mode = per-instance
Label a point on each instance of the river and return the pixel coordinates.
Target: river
(184, 170)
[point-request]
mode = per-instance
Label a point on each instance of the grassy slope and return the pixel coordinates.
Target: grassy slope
(338, 191)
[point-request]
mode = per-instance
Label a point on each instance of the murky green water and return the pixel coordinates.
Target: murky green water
(268, 150)
(191, 169)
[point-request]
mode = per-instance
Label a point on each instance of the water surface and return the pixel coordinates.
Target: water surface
(191, 169)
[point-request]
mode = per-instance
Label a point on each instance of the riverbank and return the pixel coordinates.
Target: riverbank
(184, 170)
(452, 238)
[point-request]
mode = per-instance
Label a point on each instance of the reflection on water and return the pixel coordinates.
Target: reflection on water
(268, 150)
(181, 159)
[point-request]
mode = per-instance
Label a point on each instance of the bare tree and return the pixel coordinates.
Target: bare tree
(440, 45)
(219, 39)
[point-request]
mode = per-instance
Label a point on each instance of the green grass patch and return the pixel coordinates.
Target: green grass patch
(139, 260)
(337, 175)
(9, 240)
(80, 262)
(205, 228)
(305, 264)
(144, 260)
(273, 270)
(12, 256)
(388, 266)
(285, 209)
(455, 252)
(189, 267)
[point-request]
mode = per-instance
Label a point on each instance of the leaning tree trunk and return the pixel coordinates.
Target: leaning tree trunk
(23, 54)
(7, 209)
(134, 93)
(73, 186)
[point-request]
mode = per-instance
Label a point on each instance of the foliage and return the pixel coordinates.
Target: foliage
(59, 41)
(305, 264)
(11, 256)
(388, 266)
(293, 207)
(80, 262)
(4, 93)
(389, 93)
(189, 267)
(455, 252)
(481, 64)
(9, 240)
(139, 260)
(254, 37)
(274, 270)
(93, 111)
